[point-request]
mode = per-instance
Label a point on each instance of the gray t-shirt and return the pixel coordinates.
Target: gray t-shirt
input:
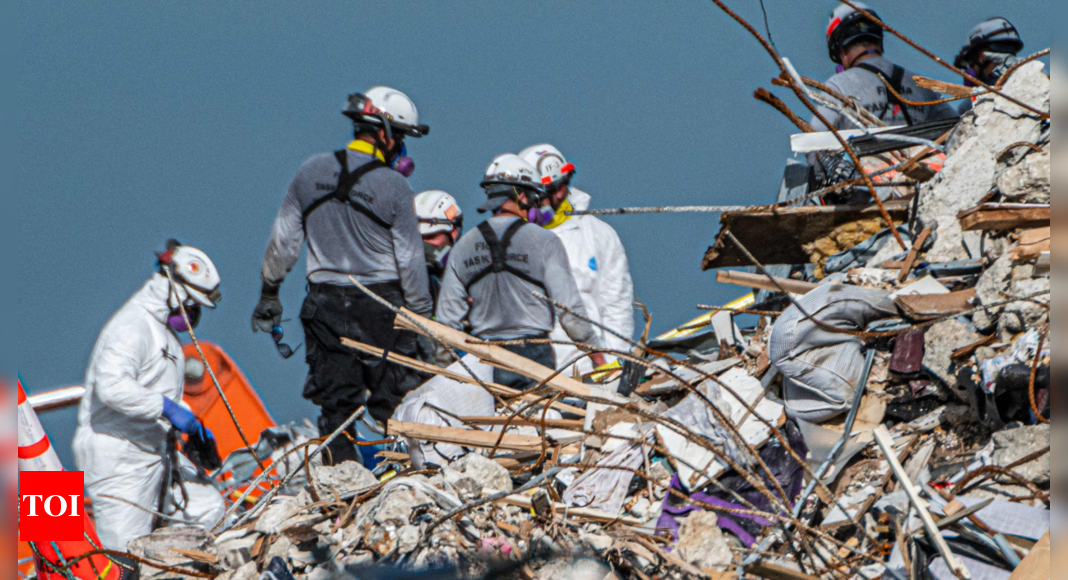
(871, 93)
(343, 241)
(503, 306)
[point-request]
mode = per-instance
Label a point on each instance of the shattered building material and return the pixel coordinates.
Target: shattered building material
(778, 235)
(1004, 216)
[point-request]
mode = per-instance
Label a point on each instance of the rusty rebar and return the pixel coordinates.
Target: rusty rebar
(1031, 383)
(764, 96)
(1004, 152)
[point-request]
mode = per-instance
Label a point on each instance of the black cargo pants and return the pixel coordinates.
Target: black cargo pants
(341, 379)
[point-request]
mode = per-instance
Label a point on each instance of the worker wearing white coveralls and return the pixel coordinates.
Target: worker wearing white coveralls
(596, 255)
(133, 383)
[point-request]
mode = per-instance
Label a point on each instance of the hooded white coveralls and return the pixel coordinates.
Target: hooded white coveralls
(599, 264)
(121, 439)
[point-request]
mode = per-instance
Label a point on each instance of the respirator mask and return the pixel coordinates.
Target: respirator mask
(177, 322)
(401, 163)
(437, 257)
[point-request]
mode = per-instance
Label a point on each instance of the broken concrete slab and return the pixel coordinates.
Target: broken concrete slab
(157, 545)
(488, 473)
(234, 554)
(1013, 445)
(992, 283)
(1027, 181)
(939, 343)
(971, 162)
(347, 478)
(701, 542)
(275, 516)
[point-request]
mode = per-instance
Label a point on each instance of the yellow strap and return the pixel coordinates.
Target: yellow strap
(561, 215)
(367, 149)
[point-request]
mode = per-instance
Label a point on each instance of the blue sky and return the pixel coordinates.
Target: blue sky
(140, 121)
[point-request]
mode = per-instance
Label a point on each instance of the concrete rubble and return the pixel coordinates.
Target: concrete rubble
(721, 459)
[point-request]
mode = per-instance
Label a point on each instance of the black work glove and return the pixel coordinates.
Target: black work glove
(202, 449)
(268, 313)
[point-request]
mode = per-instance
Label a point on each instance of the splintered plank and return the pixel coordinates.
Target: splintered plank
(1004, 216)
(777, 235)
(943, 87)
(500, 357)
(465, 437)
(459, 377)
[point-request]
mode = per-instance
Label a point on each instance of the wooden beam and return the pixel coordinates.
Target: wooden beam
(910, 260)
(1004, 216)
(459, 377)
(951, 89)
(496, 355)
(761, 281)
(1031, 243)
(569, 424)
(778, 235)
(465, 437)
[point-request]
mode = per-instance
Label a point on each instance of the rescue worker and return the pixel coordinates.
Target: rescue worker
(594, 251)
(133, 383)
(501, 263)
(855, 44)
(354, 208)
(441, 221)
(992, 48)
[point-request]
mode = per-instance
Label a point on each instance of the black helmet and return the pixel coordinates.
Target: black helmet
(996, 35)
(848, 26)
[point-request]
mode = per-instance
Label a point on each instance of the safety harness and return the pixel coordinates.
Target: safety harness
(894, 80)
(498, 248)
(345, 183)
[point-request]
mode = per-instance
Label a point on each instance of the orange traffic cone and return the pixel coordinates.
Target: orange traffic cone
(52, 558)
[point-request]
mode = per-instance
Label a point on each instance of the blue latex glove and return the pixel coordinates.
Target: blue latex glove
(182, 419)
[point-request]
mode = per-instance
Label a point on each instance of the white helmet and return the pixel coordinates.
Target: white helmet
(505, 173)
(193, 271)
(385, 106)
(438, 212)
(550, 163)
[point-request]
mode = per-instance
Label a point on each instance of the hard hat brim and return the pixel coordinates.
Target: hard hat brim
(416, 131)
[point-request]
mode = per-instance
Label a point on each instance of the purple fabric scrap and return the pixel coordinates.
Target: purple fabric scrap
(669, 514)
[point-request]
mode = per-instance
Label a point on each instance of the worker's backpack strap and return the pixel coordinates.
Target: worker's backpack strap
(345, 183)
(498, 248)
(895, 80)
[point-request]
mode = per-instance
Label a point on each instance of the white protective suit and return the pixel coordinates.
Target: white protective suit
(121, 439)
(599, 264)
